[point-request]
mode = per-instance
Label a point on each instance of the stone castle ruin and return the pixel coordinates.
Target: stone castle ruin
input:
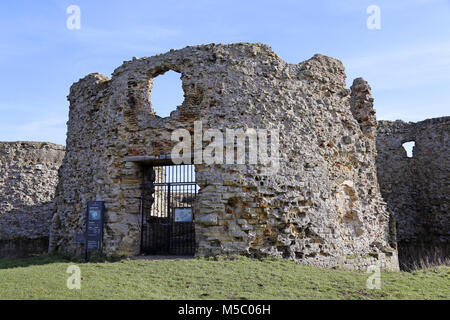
(322, 206)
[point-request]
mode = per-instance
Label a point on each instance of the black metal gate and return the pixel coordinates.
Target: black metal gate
(168, 194)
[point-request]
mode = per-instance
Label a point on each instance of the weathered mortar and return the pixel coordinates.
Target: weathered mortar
(323, 207)
(28, 178)
(416, 189)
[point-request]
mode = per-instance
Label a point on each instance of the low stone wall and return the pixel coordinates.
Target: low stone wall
(28, 179)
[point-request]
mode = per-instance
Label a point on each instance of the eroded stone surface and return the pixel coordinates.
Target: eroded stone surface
(416, 189)
(28, 178)
(323, 207)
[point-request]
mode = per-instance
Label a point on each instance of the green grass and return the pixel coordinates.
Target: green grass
(201, 278)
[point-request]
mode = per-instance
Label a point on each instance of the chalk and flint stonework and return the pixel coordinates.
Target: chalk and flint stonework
(28, 178)
(322, 205)
(417, 188)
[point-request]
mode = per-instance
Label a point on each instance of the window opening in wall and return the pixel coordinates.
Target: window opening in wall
(409, 148)
(167, 93)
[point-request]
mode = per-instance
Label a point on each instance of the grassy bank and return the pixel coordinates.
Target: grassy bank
(241, 278)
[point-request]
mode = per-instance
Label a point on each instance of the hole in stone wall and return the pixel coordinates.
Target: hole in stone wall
(167, 93)
(409, 147)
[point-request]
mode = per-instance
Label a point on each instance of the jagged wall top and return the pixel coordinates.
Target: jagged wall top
(324, 69)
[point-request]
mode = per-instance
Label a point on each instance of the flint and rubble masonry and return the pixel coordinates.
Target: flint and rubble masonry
(417, 189)
(28, 179)
(322, 206)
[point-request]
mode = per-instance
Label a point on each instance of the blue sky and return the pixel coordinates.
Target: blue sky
(407, 61)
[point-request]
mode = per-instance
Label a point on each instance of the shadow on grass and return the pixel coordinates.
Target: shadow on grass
(423, 255)
(55, 258)
(32, 261)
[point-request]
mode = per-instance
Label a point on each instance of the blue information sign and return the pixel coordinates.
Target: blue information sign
(94, 226)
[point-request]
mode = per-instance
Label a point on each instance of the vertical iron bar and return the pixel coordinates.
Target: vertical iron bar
(142, 210)
(168, 215)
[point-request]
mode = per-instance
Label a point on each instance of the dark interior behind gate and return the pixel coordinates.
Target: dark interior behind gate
(168, 195)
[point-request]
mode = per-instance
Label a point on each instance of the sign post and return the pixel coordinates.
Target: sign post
(95, 216)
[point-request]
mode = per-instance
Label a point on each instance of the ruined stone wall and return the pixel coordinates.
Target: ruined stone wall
(28, 178)
(323, 206)
(416, 189)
